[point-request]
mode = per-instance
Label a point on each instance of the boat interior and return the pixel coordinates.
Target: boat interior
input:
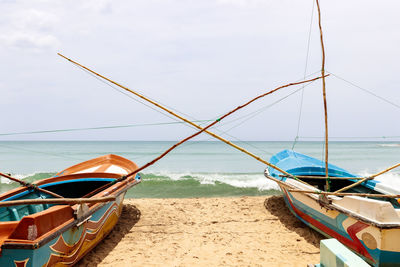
(78, 188)
(336, 184)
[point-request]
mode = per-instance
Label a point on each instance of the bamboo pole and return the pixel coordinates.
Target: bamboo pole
(212, 124)
(368, 178)
(328, 193)
(220, 138)
(69, 201)
(30, 186)
(343, 194)
(324, 96)
(190, 122)
(324, 177)
(386, 170)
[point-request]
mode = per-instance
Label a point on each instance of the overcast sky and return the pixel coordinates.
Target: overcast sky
(202, 58)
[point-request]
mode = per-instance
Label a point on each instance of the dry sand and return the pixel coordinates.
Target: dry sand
(242, 231)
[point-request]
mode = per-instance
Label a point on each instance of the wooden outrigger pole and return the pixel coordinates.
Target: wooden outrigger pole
(324, 96)
(69, 201)
(192, 123)
(361, 179)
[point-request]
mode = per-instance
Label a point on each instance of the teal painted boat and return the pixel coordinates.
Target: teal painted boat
(61, 234)
(370, 226)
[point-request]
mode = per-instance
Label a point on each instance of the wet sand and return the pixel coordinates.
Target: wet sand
(241, 231)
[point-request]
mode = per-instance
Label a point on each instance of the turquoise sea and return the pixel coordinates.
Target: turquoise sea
(195, 169)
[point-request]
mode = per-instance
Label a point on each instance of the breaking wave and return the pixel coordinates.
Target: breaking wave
(164, 184)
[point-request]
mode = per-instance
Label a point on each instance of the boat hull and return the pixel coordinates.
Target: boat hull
(60, 235)
(368, 240)
(69, 245)
(368, 226)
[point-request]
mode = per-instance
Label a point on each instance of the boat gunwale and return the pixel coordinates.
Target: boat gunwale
(339, 209)
(122, 162)
(117, 189)
(44, 239)
(55, 179)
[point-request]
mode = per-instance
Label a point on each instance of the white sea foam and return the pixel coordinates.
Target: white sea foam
(256, 180)
(240, 180)
(248, 180)
(390, 145)
(23, 176)
(4, 180)
(390, 179)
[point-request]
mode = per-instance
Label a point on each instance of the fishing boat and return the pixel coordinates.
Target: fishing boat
(369, 226)
(36, 230)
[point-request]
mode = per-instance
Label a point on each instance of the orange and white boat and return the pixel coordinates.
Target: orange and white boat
(61, 234)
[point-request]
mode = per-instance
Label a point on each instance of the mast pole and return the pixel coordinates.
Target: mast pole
(324, 96)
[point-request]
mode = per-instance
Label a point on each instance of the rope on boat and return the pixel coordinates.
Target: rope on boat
(305, 71)
(367, 91)
(251, 115)
(98, 128)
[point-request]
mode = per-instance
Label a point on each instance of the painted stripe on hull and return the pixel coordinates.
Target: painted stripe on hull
(61, 251)
(67, 254)
(353, 243)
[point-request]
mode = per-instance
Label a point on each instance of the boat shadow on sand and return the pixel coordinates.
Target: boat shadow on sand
(277, 207)
(129, 217)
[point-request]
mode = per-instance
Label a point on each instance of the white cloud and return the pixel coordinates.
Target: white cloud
(241, 3)
(23, 40)
(183, 52)
(34, 20)
(29, 29)
(102, 6)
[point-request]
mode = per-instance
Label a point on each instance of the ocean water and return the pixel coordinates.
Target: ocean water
(195, 169)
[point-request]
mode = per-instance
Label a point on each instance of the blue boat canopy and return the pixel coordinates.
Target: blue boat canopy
(300, 164)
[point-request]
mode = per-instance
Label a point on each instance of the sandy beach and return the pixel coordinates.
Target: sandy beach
(241, 231)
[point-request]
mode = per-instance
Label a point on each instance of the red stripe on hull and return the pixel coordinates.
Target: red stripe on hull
(353, 243)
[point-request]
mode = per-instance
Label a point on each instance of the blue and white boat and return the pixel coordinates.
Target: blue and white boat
(370, 226)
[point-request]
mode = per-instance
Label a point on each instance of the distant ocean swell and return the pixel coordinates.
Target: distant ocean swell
(173, 184)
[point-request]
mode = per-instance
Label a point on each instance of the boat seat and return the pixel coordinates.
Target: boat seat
(16, 213)
(43, 222)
